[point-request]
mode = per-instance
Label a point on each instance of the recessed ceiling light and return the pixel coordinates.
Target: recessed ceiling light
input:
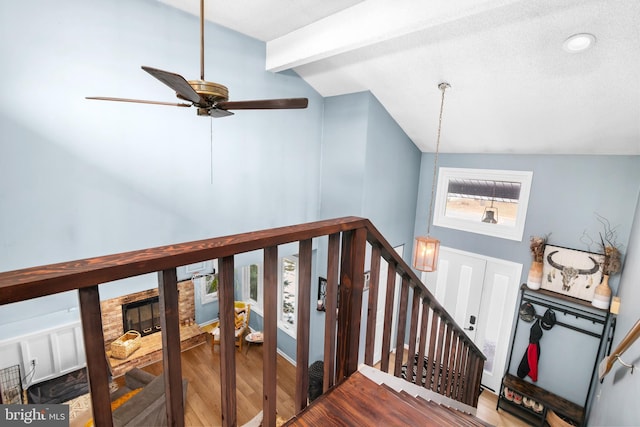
(579, 42)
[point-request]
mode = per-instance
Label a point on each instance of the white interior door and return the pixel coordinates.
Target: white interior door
(497, 308)
(457, 285)
(481, 294)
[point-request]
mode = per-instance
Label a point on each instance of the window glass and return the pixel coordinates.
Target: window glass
(488, 201)
(289, 287)
(252, 285)
(491, 202)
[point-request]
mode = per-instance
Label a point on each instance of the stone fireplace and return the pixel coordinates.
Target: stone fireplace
(115, 323)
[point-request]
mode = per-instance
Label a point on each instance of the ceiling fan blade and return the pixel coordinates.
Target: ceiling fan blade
(217, 112)
(264, 104)
(175, 82)
(139, 101)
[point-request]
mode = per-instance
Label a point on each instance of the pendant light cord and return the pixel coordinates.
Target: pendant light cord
(443, 87)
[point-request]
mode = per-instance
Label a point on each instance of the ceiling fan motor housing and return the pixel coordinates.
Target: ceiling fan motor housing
(209, 92)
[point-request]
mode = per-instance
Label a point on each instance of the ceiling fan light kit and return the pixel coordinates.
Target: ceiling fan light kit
(210, 99)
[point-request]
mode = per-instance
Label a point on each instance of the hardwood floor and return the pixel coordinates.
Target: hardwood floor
(201, 367)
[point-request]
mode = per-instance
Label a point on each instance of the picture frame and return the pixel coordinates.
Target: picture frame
(571, 272)
(322, 293)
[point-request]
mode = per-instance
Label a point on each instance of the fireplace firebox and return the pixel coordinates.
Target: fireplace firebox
(142, 316)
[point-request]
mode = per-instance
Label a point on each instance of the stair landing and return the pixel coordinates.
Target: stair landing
(360, 401)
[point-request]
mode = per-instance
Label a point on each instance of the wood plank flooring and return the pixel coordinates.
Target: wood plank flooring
(201, 366)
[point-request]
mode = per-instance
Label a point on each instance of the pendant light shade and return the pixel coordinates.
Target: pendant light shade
(425, 256)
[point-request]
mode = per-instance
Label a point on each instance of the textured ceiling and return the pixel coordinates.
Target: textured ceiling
(513, 88)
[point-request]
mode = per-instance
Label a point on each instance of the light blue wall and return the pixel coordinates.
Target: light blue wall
(616, 399)
(566, 194)
(370, 168)
(85, 178)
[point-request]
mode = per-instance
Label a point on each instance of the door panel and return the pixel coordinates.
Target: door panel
(471, 285)
(458, 286)
(499, 300)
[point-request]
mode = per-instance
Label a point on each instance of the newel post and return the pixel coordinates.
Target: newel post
(350, 302)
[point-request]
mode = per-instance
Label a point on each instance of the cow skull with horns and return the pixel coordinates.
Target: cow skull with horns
(569, 274)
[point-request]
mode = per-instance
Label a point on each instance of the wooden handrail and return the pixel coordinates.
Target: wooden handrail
(451, 354)
(20, 285)
(627, 341)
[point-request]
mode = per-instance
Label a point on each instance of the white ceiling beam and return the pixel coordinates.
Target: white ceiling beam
(367, 23)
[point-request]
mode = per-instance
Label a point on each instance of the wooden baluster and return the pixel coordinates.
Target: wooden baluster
(439, 371)
(97, 368)
(452, 363)
(433, 341)
(465, 374)
(458, 366)
(331, 305)
(372, 307)
(388, 317)
(446, 361)
(402, 326)
(302, 340)
(413, 327)
(227, 343)
(472, 388)
(478, 381)
(270, 331)
(423, 341)
(349, 314)
(462, 385)
(171, 358)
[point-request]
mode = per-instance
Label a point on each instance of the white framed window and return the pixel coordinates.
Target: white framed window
(287, 294)
(252, 286)
(207, 283)
(483, 201)
(187, 272)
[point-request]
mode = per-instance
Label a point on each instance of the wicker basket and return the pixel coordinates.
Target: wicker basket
(125, 345)
(555, 421)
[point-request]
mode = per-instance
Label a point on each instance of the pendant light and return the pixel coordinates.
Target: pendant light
(425, 256)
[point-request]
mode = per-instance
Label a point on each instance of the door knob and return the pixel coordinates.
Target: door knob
(470, 328)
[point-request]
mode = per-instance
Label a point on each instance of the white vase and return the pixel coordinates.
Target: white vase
(534, 280)
(602, 296)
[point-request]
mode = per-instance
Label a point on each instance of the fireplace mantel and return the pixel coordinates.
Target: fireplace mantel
(150, 350)
(112, 309)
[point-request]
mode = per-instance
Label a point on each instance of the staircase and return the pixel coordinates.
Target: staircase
(371, 397)
(423, 328)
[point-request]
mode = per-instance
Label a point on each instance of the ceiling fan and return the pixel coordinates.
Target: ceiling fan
(210, 99)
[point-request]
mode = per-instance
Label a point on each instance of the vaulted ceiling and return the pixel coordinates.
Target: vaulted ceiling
(514, 89)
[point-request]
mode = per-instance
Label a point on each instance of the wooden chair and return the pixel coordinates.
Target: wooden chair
(241, 319)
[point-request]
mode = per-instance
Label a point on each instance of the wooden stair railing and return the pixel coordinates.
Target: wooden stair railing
(455, 363)
(628, 340)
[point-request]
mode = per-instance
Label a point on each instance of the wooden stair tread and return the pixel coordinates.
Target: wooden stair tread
(359, 401)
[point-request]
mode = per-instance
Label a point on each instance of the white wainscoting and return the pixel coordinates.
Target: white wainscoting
(57, 351)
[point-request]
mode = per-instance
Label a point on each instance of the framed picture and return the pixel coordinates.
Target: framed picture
(571, 272)
(322, 293)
